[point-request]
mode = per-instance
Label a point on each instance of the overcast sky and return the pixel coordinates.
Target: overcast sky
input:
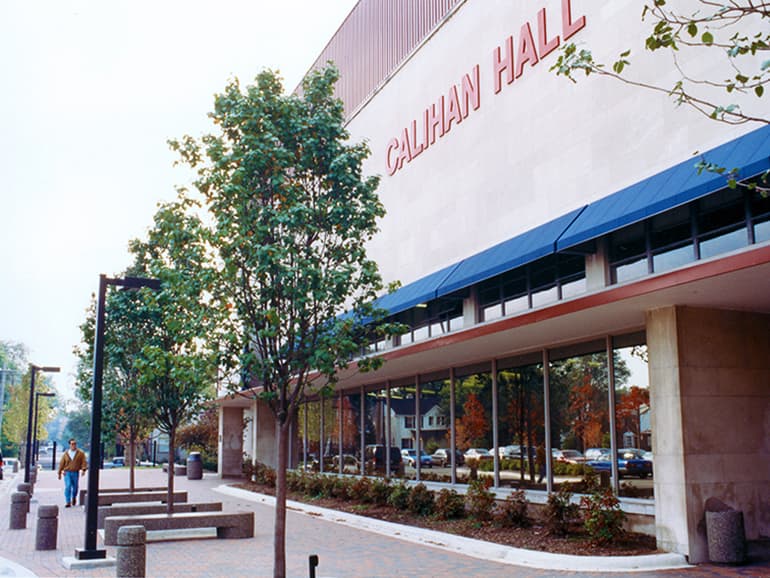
(91, 91)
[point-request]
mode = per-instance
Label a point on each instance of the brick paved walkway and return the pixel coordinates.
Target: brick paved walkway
(343, 550)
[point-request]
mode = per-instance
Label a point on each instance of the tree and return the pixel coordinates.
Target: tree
(125, 411)
(472, 427)
(202, 435)
(628, 409)
(176, 370)
(290, 215)
(13, 360)
(735, 32)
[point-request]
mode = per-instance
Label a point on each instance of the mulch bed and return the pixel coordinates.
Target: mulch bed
(535, 537)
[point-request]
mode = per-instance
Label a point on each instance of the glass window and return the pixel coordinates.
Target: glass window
(720, 210)
(673, 258)
(671, 228)
(521, 427)
(627, 243)
(762, 232)
(579, 412)
(630, 270)
(517, 305)
(724, 243)
(492, 312)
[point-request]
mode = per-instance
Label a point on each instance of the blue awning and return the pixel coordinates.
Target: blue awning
(680, 184)
(519, 250)
(420, 291)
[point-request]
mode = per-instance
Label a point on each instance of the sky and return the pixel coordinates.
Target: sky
(90, 93)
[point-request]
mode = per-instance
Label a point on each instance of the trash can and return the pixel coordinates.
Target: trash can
(726, 537)
(194, 466)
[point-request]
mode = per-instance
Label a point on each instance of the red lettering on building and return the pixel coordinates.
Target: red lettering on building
(451, 109)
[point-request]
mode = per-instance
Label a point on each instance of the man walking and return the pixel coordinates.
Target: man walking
(72, 461)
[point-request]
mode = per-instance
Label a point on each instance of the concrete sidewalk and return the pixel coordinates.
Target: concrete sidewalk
(347, 546)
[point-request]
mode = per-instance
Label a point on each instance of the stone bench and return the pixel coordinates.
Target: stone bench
(228, 525)
(143, 509)
(84, 493)
(162, 497)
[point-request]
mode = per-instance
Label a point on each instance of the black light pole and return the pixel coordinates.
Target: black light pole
(90, 552)
(37, 399)
(33, 369)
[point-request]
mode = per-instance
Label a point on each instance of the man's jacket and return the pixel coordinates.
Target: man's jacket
(78, 463)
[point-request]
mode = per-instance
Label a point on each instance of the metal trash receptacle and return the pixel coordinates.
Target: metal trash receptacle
(194, 466)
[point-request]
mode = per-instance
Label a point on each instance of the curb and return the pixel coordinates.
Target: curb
(477, 548)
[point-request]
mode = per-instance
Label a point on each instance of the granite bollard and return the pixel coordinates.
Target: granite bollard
(47, 527)
(19, 507)
(132, 552)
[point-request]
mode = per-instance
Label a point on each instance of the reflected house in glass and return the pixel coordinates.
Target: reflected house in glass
(539, 245)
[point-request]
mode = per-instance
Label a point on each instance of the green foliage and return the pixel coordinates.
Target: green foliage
(733, 33)
(399, 496)
(603, 519)
(379, 490)
(359, 489)
(421, 500)
(513, 511)
(560, 513)
(479, 501)
(449, 505)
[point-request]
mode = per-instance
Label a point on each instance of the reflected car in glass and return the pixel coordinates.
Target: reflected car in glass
(443, 458)
(477, 454)
(629, 464)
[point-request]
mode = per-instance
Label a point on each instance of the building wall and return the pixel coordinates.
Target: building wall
(710, 399)
(535, 150)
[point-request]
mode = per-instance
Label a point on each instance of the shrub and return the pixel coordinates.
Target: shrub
(421, 500)
(379, 490)
(513, 511)
(313, 485)
(358, 489)
(560, 512)
(473, 467)
(449, 505)
(332, 487)
(603, 519)
(479, 500)
(399, 496)
(294, 481)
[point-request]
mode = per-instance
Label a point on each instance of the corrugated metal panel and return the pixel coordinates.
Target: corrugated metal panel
(374, 39)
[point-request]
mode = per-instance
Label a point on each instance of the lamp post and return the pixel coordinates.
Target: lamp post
(90, 552)
(38, 395)
(33, 369)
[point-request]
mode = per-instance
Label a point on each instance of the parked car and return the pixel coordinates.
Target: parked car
(568, 456)
(1, 465)
(629, 464)
(410, 458)
(349, 461)
(116, 462)
(443, 457)
(594, 453)
(478, 454)
(512, 451)
(375, 459)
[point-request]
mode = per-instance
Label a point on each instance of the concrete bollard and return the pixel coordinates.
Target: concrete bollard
(132, 552)
(33, 475)
(47, 527)
(16, 466)
(19, 508)
(27, 489)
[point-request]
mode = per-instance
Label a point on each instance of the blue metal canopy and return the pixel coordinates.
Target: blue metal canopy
(420, 291)
(519, 250)
(749, 154)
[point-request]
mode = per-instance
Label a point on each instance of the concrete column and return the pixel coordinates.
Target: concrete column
(710, 401)
(266, 440)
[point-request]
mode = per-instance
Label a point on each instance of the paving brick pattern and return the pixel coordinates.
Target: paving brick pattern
(343, 551)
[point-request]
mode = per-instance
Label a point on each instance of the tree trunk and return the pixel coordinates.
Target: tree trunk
(279, 535)
(171, 451)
